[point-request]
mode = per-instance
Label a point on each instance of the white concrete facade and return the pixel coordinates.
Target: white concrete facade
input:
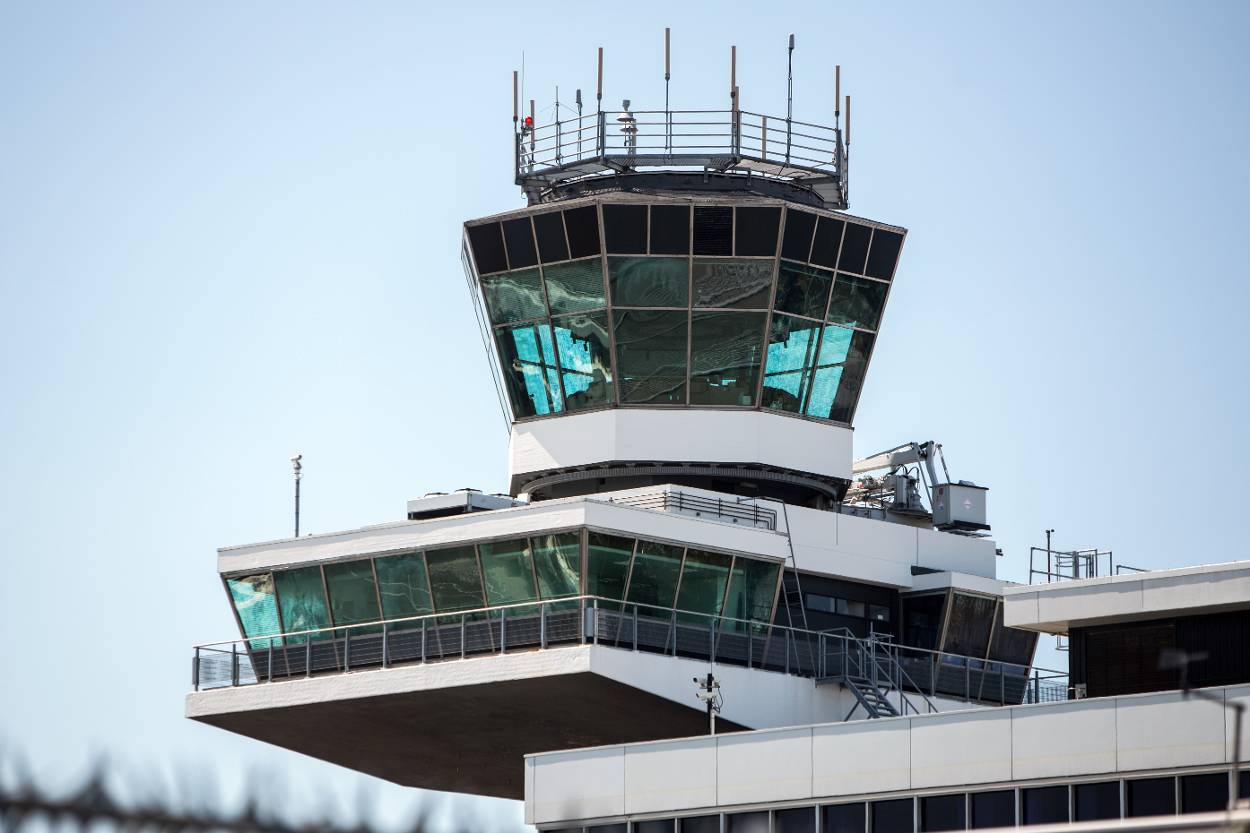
(965, 749)
(1056, 607)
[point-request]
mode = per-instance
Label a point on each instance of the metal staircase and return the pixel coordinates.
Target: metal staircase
(870, 697)
(871, 670)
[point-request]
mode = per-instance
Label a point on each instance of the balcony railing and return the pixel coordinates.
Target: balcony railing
(594, 620)
(744, 512)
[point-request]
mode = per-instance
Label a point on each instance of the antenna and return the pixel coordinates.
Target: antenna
(295, 465)
(848, 122)
(515, 114)
(579, 122)
(668, 119)
(733, 78)
(599, 88)
(789, 93)
(837, 94)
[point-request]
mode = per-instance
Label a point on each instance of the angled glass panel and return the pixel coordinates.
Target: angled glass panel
(557, 561)
(1044, 805)
(1150, 797)
(654, 578)
(518, 234)
(514, 296)
(839, 374)
(549, 228)
(670, 229)
(403, 585)
(791, 357)
(582, 226)
(302, 598)
(649, 281)
(1100, 800)
(713, 230)
(509, 572)
(487, 243)
(739, 284)
(584, 353)
(257, 606)
(353, 594)
(755, 231)
(575, 286)
(454, 579)
(854, 248)
(607, 564)
(857, 302)
(796, 243)
(702, 588)
(827, 242)
(527, 357)
(625, 227)
(752, 586)
(651, 356)
(725, 352)
(803, 290)
(969, 625)
(883, 254)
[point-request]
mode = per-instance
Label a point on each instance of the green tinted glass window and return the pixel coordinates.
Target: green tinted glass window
(653, 580)
(527, 354)
(508, 571)
(557, 560)
(741, 284)
(303, 601)
(256, 605)
(403, 585)
(857, 302)
(792, 345)
(840, 369)
(651, 356)
(575, 286)
(702, 588)
(752, 586)
(725, 349)
(649, 281)
(802, 290)
(353, 595)
(454, 579)
(514, 296)
(584, 353)
(607, 564)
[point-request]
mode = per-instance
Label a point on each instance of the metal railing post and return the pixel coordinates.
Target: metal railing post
(347, 649)
(269, 661)
(787, 641)
(600, 139)
(542, 626)
(307, 655)
(635, 627)
(386, 653)
(933, 675)
(967, 681)
(463, 627)
(750, 644)
(594, 619)
(424, 623)
(711, 639)
(234, 664)
(503, 631)
(672, 632)
(195, 671)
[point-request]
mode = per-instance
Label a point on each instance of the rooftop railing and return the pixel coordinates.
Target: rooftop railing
(1047, 565)
(810, 155)
(744, 512)
(582, 620)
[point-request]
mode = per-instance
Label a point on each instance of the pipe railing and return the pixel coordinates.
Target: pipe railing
(745, 511)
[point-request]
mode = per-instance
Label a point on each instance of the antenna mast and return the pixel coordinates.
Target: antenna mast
(668, 118)
(295, 464)
(789, 93)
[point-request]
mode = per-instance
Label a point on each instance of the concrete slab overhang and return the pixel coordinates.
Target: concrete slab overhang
(461, 726)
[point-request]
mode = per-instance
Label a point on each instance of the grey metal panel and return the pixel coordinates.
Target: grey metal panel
(768, 766)
(961, 748)
(672, 776)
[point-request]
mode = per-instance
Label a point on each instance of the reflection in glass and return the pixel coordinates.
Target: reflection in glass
(840, 367)
(403, 585)
(557, 561)
(649, 281)
(651, 356)
(353, 595)
(702, 588)
(654, 578)
(582, 347)
(508, 572)
(454, 579)
(725, 357)
(607, 564)
(575, 286)
(828, 240)
(257, 606)
(514, 296)
(740, 284)
(803, 290)
(302, 598)
(791, 355)
(752, 586)
(968, 628)
(527, 356)
(857, 302)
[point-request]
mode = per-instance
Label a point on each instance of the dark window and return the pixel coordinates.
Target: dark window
(755, 232)
(713, 230)
(550, 230)
(519, 235)
(970, 621)
(1243, 790)
(894, 816)
(842, 818)
(625, 227)
(649, 281)
(583, 229)
(607, 828)
(798, 820)
(993, 809)
(922, 620)
(802, 290)
(1044, 805)
(725, 352)
(746, 822)
(1011, 645)
(854, 248)
(487, 243)
(654, 826)
(796, 243)
(670, 229)
(878, 613)
(1150, 797)
(651, 356)
(857, 302)
(700, 824)
(575, 286)
(942, 812)
(742, 284)
(850, 607)
(828, 239)
(1204, 793)
(824, 604)
(1093, 802)
(883, 254)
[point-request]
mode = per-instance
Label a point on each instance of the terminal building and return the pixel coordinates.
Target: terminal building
(696, 610)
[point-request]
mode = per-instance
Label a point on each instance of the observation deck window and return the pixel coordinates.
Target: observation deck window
(607, 565)
(854, 250)
(796, 243)
(302, 597)
(755, 231)
(576, 286)
(651, 356)
(827, 242)
(557, 564)
(549, 231)
(942, 812)
(734, 283)
(581, 225)
(649, 281)
(653, 580)
(353, 592)
(703, 579)
(670, 230)
(455, 579)
(1150, 797)
(257, 605)
(508, 572)
(896, 815)
(625, 227)
(1044, 805)
(725, 357)
(518, 236)
(857, 302)
(713, 230)
(795, 820)
(803, 290)
(404, 585)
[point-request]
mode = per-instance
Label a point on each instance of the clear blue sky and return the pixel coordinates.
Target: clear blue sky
(230, 231)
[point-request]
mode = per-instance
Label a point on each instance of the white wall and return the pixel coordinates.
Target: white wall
(957, 749)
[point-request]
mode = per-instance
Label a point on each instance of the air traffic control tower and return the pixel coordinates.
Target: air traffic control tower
(680, 323)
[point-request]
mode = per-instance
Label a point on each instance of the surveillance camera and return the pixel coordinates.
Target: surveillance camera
(297, 458)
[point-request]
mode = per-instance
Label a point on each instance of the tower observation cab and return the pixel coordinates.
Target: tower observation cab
(684, 302)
